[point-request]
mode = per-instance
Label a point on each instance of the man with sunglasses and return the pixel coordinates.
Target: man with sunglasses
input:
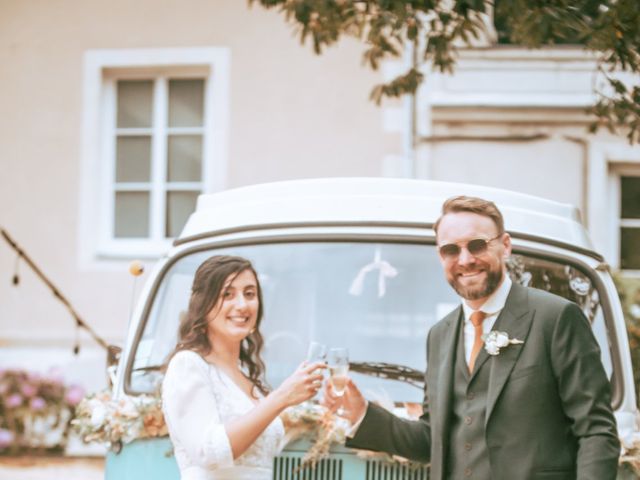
(533, 404)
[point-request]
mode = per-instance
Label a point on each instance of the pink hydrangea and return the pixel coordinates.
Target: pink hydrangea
(29, 390)
(74, 395)
(13, 401)
(6, 438)
(37, 404)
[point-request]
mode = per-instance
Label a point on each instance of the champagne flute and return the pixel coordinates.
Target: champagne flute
(338, 361)
(317, 352)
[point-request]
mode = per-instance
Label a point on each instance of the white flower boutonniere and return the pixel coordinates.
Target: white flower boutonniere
(494, 341)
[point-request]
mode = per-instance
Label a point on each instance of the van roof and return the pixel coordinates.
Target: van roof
(337, 201)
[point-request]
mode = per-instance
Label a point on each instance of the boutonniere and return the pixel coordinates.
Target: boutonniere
(495, 340)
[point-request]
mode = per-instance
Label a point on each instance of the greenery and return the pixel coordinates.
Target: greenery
(609, 29)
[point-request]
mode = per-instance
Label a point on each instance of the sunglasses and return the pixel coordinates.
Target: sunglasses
(475, 247)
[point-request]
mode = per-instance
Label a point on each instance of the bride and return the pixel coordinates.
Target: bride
(223, 421)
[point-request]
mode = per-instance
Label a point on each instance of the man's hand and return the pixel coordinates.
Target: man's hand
(353, 403)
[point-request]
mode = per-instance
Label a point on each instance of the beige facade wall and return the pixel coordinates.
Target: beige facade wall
(293, 115)
(526, 168)
(542, 152)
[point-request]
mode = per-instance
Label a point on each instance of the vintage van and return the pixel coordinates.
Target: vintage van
(352, 262)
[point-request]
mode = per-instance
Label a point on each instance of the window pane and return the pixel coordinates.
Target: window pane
(630, 197)
(135, 103)
(179, 206)
(186, 103)
(185, 158)
(133, 159)
(132, 214)
(630, 248)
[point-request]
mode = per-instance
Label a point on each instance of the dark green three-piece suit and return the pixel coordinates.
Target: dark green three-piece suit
(539, 410)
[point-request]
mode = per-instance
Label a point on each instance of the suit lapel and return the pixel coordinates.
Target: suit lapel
(482, 357)
(515, 319)
(448, 349)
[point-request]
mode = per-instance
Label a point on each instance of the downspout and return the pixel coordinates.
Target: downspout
(409, 133)
(585, 176)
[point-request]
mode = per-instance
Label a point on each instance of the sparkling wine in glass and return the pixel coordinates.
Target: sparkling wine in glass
(338, 361)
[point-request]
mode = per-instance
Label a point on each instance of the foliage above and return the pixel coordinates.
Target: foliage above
(437, 28)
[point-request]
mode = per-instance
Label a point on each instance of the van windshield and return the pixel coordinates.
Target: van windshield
(378, 300)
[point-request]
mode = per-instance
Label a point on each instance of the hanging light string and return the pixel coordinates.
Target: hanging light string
(16, 271)
(80, 323)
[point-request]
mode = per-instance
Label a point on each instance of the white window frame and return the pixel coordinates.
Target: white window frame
(102, 69)
(617, 172)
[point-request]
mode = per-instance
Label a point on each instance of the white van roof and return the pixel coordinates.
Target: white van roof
(337, 201)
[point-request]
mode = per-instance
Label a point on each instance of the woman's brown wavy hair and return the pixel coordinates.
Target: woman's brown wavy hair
(206, 290)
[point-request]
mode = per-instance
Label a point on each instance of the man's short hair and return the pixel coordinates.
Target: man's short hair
(479, 206)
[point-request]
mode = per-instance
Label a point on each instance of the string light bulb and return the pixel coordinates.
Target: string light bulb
(16, 271)
(76, 343)
(136, 268)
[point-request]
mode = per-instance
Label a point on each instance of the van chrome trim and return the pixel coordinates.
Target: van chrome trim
(417, 225)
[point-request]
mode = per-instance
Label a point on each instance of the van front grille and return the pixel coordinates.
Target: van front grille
(376, 470)
(288, 468)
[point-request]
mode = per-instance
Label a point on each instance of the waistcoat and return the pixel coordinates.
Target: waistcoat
(468, 455)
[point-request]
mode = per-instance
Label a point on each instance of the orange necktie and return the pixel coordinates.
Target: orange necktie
(477, 318)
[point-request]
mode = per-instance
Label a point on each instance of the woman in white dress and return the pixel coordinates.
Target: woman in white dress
(222, 420)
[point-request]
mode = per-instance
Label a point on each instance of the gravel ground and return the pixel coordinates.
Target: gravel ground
(51, 468)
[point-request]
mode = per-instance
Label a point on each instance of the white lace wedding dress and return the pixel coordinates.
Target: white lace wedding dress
(197, 399)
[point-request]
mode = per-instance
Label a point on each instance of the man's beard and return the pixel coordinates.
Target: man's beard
(490, 285)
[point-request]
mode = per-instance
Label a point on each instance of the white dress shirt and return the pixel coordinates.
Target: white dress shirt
(492, 308)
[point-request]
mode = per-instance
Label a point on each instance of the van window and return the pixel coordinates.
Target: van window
(377, 299)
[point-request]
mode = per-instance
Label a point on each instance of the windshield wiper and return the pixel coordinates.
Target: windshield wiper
(390, 371)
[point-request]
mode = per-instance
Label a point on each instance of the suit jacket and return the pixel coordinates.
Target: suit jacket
(548, 412)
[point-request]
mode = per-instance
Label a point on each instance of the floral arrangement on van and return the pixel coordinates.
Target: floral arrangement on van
(35, 411)
(102, 418)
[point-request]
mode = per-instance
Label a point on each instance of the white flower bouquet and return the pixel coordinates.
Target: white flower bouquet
(101, 418)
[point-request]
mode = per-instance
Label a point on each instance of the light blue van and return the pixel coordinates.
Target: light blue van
(351, 262)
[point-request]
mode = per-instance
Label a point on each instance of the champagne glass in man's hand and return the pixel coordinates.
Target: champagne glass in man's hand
(350, 405)
(338, 362)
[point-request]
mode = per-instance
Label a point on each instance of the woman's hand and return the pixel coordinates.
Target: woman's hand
(302, 385)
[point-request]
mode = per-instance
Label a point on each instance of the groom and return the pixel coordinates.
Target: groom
(538, 409)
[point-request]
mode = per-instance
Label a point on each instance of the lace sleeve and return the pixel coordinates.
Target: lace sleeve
(191, 412)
